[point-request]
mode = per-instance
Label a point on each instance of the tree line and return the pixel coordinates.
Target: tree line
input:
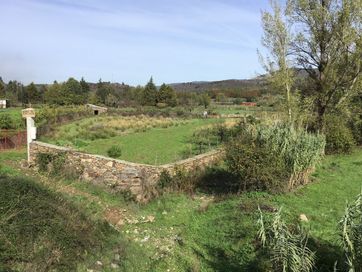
(74, 92)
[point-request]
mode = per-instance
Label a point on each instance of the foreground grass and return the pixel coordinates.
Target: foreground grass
(186, 235)
(222, 238)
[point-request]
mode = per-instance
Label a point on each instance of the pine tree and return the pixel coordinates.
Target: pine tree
(33, 94)
(149, 97)
(167, 95)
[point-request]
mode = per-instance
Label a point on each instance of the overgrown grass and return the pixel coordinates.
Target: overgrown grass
(205, 232)
(146, 140)
(222, 237)
(15, 115)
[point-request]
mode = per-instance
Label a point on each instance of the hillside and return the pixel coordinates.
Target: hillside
(258, 83)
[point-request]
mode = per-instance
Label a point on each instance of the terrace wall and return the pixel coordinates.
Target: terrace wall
(121, 175)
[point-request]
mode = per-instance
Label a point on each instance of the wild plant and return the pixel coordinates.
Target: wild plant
(286, 249)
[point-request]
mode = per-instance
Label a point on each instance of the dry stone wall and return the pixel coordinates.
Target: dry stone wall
(121, 175)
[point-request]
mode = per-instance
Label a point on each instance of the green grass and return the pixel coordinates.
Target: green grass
(15, 115)
(155, 146)
(152, 146)
(223, 236)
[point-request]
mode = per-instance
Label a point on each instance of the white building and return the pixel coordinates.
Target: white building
(4, 103)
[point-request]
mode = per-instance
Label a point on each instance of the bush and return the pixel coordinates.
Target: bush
(114, 151)
(43, 160)
(356, 128)
(351, 234)
(287, 249)
(339, 137)
(273, 157)
(6, 122)
(258, 168)
(56, 165)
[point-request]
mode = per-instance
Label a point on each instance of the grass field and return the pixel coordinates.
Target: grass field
(184, 237)
(150, 140)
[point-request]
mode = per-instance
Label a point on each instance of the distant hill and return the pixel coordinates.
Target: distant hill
(258, 83)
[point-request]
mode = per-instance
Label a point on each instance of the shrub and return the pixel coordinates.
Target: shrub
(180, 181)
(339, 137)
(273, 157)
(356, 128)
(43, 160)
(351, 234)
(57, 166)
(114, 151)
(6, 122)
(287, 250)
(258, 168)
(164, 181)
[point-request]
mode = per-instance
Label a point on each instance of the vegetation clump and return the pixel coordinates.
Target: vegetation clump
(282, 156)
(114, 151)
(351, 234)
(56, 165)
(287, 250)
(339, 137)
(6, 122)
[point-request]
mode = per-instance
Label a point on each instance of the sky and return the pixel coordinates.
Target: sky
(130, 40)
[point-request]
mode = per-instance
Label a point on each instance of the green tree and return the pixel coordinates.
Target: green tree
(84, 86)
(2, 88)
(149, 96)
(54, 95)
(220, 97)
(73, 92)
(103, 90)
(277, 39)
(204, 100)
(33, 94)
(14, 92)
(328, 46)
(167, 94)
(111, 100)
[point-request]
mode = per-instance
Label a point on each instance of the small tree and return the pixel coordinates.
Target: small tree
(149, 96)
(53, 94)
(204, 100)
(167, 94)
(33, 93)
(277, 39)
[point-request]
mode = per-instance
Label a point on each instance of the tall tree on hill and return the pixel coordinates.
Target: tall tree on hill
(33, 94)
(12, 91)
(54, 95)
(103, 90)
(71, 91)
(149, 96)
(327, 45)
(167, 94)
(84, 86)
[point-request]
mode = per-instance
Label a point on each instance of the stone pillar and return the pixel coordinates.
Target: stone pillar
(29, 114)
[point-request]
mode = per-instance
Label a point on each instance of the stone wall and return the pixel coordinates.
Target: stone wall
(121, 175)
